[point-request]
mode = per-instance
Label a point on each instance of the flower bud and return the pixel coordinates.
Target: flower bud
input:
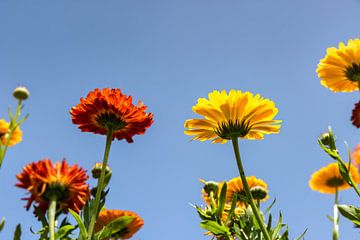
(211, 186)
(96, 170)
(21, 93)
(325, 138)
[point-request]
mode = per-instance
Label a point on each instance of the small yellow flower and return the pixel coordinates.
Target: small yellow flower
(238, 113)
(328, 179)
(4, 133)
(339, 70)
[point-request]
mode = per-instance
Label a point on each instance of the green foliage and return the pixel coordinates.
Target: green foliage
(113, 227)
(17, 233)
(2, 224)
(350, 212)
(83, 232)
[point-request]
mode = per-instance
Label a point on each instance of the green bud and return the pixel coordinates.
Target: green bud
(21, 93)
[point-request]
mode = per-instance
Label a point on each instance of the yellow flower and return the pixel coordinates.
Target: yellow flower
(355, 155)
(258, 189)
(4, 133)
(328, 179)
(339, 70)
(239, 114)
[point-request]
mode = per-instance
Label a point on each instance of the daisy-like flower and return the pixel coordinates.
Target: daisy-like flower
(110, 108)
(355, 117)
(258, 189)
(16, 136)
(339, 70)
(107, 216)
(239, 114)
(43, 179)
(355, 155)
(329, 180)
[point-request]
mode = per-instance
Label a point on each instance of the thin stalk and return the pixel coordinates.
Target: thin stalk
(255, 210)
(336, 217)
(51, 216)
(100, 184)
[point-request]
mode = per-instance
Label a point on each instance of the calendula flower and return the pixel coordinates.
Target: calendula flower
(110, 108)
(339, 70)
(16, 136)
(42, 179)
(239, 114)
(107, 216)
(258, 189)
(329, 180)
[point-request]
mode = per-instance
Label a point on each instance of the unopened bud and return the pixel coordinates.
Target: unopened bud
(211, 186)
(96, 170)
(21, 93)
(325, 138)
(259, 193)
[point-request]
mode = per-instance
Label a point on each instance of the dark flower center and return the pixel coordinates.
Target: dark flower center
(59, 190)
(109, 119)
(335, 182)
(353, 72)
(228, 129)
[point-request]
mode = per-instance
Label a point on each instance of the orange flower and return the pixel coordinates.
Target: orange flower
(107, 216)
(43, 179)
(328, 179)
(106, 108)
(258, 189)
(4, 130)
(355, 155)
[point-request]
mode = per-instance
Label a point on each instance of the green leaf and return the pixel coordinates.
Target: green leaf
(232, 209)
(222, 200)
(267, 210)
(114, 227)
(82, 228)
(64, 231)
(17, 233)
(215, 228)
(350, 212)
(2, 224)
(302, 235)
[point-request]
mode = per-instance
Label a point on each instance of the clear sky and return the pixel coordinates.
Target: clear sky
(168, 54)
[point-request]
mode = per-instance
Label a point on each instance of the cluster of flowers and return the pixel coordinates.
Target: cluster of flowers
(232, 208)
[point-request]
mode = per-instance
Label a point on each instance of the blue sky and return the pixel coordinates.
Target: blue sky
(168, 54)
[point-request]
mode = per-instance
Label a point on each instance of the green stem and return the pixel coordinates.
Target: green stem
(51, 216)
(100, 184)
(12, 127)
(336, 217)
(255, 210)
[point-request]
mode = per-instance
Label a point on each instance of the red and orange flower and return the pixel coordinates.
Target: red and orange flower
(110, 108)
(107, 216)
(43, 179)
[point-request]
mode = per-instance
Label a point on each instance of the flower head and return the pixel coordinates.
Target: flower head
(339, 70)
(239, 114)
(16, 136)
(328, 179)
(110, 108)
(107, 216)
(43, 179)
(258, 189)
(355, 117)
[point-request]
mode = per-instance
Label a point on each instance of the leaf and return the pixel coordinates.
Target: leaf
(114, 227)
(2, 224)
(302, 235)
(82, 228)
(232, 209)
(267, 210)
(215, 228)
(222, 200)
(17, 233)
(64, 231)
(40, 214)
(350, 212)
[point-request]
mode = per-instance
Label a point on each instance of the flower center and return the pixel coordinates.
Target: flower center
(228, 129)
(110, 119)
(335, 182)
(353, 72)
(58, 189)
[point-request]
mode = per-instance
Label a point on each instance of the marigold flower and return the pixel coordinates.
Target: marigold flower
(355, 155)
(329, 180)
(107, 216)
(4, 133)
(339, 70)
(239, 114)
(43, 179)
(106, 108)
(257, 186)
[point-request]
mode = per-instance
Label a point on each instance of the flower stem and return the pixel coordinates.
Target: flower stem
(255, 210)
(100, 184)
(51, 216)
(336, 217)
